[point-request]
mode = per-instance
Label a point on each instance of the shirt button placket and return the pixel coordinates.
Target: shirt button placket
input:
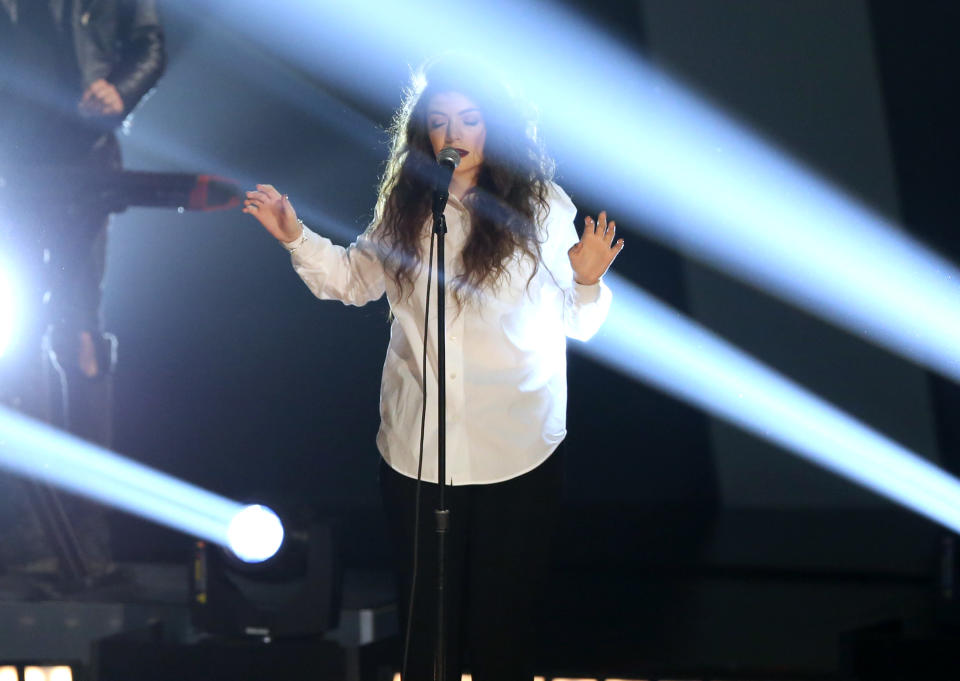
(457, 446)
(455, 399)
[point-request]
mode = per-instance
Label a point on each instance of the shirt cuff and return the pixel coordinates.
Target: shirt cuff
(296, 243)
(586, 293)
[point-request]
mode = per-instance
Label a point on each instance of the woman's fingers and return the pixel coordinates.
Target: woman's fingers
(273, 210)
(615, 251)
(288, 209)
(257, 196)
(259, 204)
(596, 250)
(269, 191)
(265, 194)
(599, 227)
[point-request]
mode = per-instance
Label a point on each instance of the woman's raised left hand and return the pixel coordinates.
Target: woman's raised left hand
(595, 252)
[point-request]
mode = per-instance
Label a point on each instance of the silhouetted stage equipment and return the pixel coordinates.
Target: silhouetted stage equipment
(115, 191)
(296, 593)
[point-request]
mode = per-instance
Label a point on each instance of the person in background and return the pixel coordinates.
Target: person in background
(71, 73)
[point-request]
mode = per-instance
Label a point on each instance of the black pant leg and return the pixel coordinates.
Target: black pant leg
(512, 534)
(399, 496)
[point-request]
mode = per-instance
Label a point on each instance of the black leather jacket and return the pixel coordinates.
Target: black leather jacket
(120, 41)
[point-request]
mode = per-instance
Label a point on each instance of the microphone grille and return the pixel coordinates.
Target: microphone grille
(448, 156)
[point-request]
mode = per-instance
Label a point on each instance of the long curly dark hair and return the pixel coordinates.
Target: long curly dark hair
(511, 189)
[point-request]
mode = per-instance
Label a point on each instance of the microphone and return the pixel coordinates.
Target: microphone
(447, 161)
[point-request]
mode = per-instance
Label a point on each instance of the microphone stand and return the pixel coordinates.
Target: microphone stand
(442, 514)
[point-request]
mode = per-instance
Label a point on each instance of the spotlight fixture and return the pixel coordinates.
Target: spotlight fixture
(255, 534)
(238, 593)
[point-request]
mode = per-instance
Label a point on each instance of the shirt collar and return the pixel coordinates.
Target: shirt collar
(457, 203)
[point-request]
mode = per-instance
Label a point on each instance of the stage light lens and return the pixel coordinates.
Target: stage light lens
(8, 313)
(9, 674)
(255, 534)
(62, 673)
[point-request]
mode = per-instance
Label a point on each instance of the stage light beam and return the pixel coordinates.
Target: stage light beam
(681, 170)
(649, 341)
(705, 185)
(8, 311)
(36, 450)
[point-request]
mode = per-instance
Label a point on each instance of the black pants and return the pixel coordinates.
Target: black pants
(498, 548)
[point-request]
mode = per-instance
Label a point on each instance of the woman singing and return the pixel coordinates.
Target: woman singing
(520, 282)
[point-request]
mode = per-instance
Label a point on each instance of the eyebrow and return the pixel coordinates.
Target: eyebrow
(459, 113)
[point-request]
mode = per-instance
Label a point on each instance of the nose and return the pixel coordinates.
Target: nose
(453, 132)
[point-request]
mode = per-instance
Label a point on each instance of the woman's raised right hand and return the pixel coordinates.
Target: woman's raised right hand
(274, 212)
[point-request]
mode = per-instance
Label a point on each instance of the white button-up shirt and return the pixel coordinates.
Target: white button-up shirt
(505, 353)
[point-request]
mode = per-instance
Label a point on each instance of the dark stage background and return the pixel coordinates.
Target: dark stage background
(683, 538)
